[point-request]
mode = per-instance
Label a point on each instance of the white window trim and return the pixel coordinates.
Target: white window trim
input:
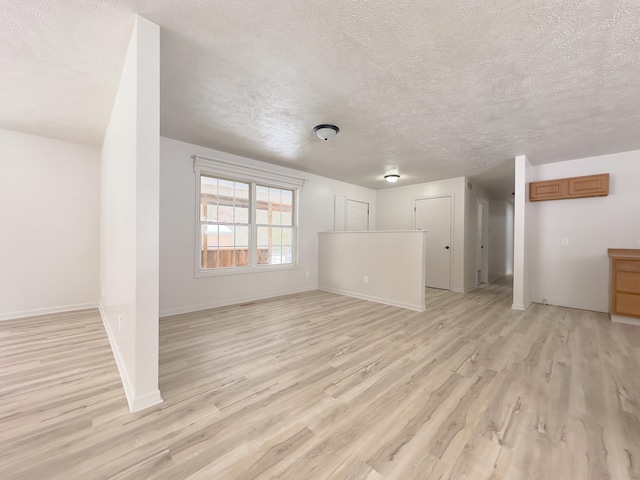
(252, 175)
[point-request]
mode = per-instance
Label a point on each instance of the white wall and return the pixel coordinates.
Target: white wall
(500, 238)
(130, 219)
(393, 263)
(180, 291)
(577, 274)
(49, 193)
(522, 230)
(394, 211)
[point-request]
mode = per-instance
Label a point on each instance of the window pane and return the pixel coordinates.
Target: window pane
(227, 257)
(225, 234)
(274, 206)
(262, 215)
(242, 193)
(210, 234)
(276, 255)
(263, 236)
(242, 258)
(225, 188)
(241, 202)
(263, 256)
(224, 201)
(242, 237)
(287, 236)
(287, 218)
(287, 198)
(287, 254)
(274, 196)
(208, 198)
(209, 248)
(225, 214)
(276, 236)
(208, 185)
(242, 215)
(275, 203)
(210, 258)
(224, 246)
(210, 212)
(262, 194)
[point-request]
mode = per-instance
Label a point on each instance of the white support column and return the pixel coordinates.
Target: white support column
(521, 232)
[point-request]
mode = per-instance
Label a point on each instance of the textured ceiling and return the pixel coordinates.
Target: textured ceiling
(434, 89)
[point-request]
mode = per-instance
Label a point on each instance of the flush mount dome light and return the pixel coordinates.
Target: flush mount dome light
(326, 131)
(392, 177)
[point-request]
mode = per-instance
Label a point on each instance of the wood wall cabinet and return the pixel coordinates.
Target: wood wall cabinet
(574, 187)
(548, 190)
(625, 283)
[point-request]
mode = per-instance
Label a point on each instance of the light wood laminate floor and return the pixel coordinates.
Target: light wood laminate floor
(321, 386)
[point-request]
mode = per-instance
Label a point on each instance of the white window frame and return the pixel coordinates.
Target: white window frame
(254, 176)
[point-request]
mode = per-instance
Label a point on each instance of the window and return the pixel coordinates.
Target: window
(247, 218)
(224, 223)
(274, 221)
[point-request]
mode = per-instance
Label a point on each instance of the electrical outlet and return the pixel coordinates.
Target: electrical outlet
(366, 279)
(307, 274)
(564, 241)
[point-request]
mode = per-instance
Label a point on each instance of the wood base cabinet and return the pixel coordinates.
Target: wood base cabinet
(625, 284)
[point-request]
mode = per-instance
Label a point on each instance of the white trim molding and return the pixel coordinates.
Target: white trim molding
(46, 311)
(521, 306)
(225, 302)
(136, 403)
(236, 171)
(372, 298)
(627, 320)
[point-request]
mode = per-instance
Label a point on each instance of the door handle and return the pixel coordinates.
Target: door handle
(447, 247)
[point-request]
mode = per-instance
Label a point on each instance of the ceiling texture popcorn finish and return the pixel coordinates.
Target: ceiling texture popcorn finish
(435, 89)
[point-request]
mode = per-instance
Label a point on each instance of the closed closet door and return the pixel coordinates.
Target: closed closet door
(357, 216)
(434, 216)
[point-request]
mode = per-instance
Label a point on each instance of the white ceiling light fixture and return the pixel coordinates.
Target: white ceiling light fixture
(392, 177)
(326, 131)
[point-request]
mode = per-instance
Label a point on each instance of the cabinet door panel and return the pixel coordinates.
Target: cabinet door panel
(627, 304)
(628, 282)
(589, 186)
(548, 190)
(627, 266)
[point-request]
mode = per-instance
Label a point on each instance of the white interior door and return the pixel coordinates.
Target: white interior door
(434, 216)
(482, 250)
(479, 243)
(357, 216)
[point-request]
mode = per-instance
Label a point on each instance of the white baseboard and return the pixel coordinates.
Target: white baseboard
(136, 403)
(145, 401)
(496, 276)
(167, 312)
(626, 320)
(464, 290)
(385, 301)
(46, 311)
(520, 306)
